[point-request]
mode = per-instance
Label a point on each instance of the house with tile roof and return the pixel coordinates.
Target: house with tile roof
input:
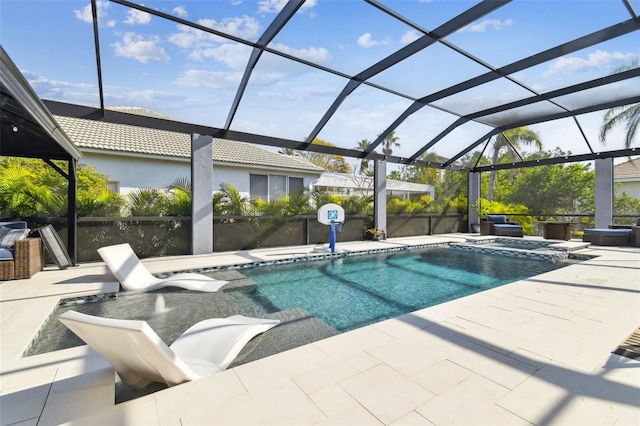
(626, 178)
(135, 157)
(349, 184)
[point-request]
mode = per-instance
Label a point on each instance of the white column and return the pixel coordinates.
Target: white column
(380, 195)
(604, 192)
(201, 194)
(473, 194)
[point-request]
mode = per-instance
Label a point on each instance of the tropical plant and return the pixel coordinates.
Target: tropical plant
(629, 115)
(31, 187)
(507, 143)
(147, 202)
(179, 197)
(364, 163)
(329, 162)
(485, 207)
(390, 141)
(22, 193)
(231, 202)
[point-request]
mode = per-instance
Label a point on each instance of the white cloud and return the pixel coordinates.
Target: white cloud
(180, 11)
(235, 56)
(135, 16)
(318, 55)
(208, 79)
(299, 93)
(275, 6)
(410, 36)
(245, 27)
(496, 24)
(365, 40)
(143, 50)
(597, 59)
(85, 15)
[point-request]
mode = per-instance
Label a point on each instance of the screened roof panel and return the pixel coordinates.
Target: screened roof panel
(428, 14)
(600, 94)
(350, 50)
(428, 71)
(438, 74)
(485, 96)
(459, 138)
(523, 113)
(586, 64)
(364, 114)
(276, 90)
(497, 37)
(419, 128)
(74, 48)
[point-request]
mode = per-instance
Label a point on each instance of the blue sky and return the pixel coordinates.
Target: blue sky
(191, 75)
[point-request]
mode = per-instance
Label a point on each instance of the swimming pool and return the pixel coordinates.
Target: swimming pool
(353, 292)
(339, 293)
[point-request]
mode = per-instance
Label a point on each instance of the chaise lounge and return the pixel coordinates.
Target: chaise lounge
(498, 225)
(140, 357)
(132, 274)
(614, 235)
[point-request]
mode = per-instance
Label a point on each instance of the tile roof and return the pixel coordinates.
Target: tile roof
(627, 170)
(132, 139)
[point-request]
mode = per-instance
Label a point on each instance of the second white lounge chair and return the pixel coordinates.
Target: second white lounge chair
(132, 274)
(140, 357)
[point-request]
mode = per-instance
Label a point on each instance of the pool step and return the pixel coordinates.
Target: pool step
(237, 280)
(298, 327)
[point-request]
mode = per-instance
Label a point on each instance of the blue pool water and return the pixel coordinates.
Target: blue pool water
(345, 293)
(352, 292)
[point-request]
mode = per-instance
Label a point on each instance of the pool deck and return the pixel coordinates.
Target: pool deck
(537, 351)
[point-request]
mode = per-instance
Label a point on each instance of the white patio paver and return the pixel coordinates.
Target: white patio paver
(537, 351)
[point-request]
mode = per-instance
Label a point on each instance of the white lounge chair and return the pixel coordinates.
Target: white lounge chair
(132, 274)
(140, 357)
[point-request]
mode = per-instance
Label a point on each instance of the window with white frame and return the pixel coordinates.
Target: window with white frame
(273, 187)
(259, 187)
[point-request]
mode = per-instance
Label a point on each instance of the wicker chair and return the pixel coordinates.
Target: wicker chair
(498, 225)
(21, 258)
(27, 260)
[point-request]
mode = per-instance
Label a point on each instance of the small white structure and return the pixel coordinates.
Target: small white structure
(350, 184)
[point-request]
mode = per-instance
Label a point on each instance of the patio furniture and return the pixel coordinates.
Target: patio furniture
(140, 357)
(132, 274)
(607, 236)
(556, 230)
(499, 225)
(20, 256)
(614, 235)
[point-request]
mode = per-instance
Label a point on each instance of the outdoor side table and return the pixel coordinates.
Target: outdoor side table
(556, 230)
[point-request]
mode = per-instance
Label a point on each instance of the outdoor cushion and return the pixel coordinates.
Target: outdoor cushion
(6, 253)
(8, 236)
(497, 218)
(638, 222)
(15, 225)
(603, 232)
(507, 226)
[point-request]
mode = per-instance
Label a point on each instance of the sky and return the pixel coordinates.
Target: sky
(193, 76)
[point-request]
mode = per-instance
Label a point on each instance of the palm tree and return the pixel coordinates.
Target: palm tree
(629, 114)
(364, 163)
(232, 202)
(390, 141)
(179, 201)
(509, 141)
